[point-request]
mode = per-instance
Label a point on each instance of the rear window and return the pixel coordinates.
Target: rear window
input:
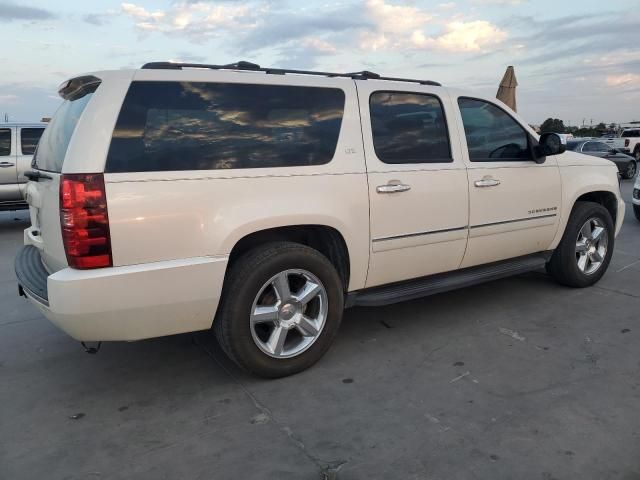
(631, 133)
(53, 144)
(169, 126)
(29, 139)
(5, 142)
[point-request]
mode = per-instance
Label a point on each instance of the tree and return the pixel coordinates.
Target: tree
(554, 125)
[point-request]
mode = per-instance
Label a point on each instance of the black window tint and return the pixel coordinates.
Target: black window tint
(492, 134)
(204, 126)
(409, 128)
(53, 144)
(29, 139)
(5, 142)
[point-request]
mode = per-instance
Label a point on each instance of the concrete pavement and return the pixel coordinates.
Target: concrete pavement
(518, 378)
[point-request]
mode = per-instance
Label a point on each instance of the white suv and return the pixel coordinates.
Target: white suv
(261, 202)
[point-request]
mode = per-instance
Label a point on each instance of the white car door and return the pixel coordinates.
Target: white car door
(417, 181)
(514, 202)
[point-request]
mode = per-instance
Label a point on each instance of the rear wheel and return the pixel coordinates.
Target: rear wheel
(584, 253)
(630, 170)
(280, 310)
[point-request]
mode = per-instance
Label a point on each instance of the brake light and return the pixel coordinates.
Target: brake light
(84, 221)
(626, 142)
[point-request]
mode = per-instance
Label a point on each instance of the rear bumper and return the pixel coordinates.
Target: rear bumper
(125, 303)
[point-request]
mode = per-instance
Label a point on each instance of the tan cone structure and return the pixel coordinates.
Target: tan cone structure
(507, 89)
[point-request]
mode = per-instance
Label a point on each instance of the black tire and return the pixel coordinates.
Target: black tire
(636, 212)
(563, 266)
(244, 281)
(630, 170)
(636, 154)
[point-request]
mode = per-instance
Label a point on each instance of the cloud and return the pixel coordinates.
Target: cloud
(624, 80)
(196, 20)
(471, 36)
(12, 11)
(8, 98)
(498, 2)
(396, 18)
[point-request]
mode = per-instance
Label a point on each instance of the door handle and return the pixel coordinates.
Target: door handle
(486, 182)
(7, 164)
(393, 188)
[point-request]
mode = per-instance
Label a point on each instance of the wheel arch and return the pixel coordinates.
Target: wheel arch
(599, 192)
(326, 239)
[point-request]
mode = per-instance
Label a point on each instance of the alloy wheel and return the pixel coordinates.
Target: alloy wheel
(288, 313)
(591, 246)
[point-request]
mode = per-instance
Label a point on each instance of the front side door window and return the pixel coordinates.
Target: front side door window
(492, 134)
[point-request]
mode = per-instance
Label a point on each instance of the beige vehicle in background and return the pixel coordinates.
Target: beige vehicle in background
(262, 202)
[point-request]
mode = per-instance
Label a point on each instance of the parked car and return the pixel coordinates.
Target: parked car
(636, 198)
(261, 202)
(626, 164)
(17, 143)
(628, 142)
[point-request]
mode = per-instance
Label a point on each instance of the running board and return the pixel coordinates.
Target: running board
(443, 282)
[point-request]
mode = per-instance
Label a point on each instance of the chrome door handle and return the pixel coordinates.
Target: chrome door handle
(486, 182)
(7, 164)
(393, 188)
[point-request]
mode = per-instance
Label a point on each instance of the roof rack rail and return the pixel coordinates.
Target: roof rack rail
(248, 66)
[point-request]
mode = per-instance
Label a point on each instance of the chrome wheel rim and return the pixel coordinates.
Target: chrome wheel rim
(591, 246)
(631, 169)
(288, 313)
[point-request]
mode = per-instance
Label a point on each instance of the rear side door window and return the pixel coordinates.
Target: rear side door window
(409, 128)
(492, 134)
(29, 138)
(5, 142)
(172, 126)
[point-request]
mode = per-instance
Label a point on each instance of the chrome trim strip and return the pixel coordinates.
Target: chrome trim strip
(418, 234)
(513, 221)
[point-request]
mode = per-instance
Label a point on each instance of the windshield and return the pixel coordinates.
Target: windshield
(53, 145)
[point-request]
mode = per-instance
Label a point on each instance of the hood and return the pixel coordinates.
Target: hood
(570, 158)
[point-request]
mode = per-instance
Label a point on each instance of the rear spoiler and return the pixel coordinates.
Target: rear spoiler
(78, 87)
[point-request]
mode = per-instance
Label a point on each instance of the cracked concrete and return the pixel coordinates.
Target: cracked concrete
(562, 403)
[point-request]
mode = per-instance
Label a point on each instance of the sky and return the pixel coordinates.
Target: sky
(574, 60)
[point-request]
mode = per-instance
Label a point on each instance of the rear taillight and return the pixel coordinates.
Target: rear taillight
(84, 220)
(626, 142)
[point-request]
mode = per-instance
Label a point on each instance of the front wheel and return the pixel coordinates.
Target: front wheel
(280, 310)
(584, 253)
(636, 212)
(630, 170)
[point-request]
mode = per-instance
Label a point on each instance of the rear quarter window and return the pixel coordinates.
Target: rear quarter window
(53, 144)
(172, 126)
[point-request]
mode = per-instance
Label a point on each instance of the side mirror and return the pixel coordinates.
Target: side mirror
(551, 144)
(613, 151)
